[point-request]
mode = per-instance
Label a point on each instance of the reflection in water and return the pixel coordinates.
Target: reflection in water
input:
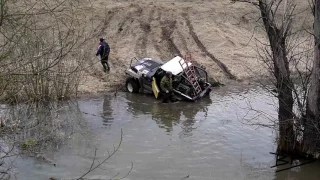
(165, 115)
(47, 123)
(190, 111)
(107, 110)
(43, 129)
(301, 168)
(171, 114)
(308, 172)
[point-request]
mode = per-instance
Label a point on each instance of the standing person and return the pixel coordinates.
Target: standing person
(103, 51)
(166, 87)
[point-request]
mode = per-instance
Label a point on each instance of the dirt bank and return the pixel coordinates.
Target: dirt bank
(220, 35)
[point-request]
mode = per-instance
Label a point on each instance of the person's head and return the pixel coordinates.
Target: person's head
(101, 39)
(169, 74)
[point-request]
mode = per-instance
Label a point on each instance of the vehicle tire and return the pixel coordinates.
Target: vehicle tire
(132, 85)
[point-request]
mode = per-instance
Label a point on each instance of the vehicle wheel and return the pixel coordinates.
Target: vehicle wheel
(132, 85)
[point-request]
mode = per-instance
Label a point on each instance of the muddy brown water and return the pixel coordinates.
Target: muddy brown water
(206, 140)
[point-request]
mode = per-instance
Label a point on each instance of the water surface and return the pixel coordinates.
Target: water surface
(206, 140)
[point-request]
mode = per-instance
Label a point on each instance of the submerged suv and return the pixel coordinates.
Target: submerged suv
(144, 76)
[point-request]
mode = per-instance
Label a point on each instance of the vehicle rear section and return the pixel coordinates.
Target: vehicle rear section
(189, 82)
(193, 81)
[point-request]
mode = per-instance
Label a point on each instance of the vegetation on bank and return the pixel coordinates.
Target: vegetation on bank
(42, 51)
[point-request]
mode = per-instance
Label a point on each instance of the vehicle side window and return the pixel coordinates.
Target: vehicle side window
(201, 73)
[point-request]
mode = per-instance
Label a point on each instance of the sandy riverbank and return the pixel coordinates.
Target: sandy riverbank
(215, 32)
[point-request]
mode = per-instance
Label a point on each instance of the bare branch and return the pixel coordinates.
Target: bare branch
(105, 160)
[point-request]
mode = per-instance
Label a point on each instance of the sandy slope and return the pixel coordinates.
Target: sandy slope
(215, 32)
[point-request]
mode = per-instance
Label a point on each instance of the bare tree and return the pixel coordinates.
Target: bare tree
(297, 93)
(42, 50)
(278, 32)
(312, 121)
(42, 57)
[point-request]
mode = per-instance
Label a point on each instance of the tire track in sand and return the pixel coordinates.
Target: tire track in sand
(95, 65)
(183, 40)
(130, 17)
(162, 36)
(126, 18)
(141, 46)
(153, 37)
(107, 21)
(99, 33)
(201, 46)
(168, 28)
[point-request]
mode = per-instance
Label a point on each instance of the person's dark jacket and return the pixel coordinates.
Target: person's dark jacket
(103, 50)
(166, 84)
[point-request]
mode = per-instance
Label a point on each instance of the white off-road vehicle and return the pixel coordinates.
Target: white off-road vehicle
(190, 82)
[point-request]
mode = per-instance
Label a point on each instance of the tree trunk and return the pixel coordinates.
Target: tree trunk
(2, 4)
(285, 98)
(312, 124)
(282, 74)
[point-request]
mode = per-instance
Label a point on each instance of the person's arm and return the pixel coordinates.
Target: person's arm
(170, 85)
(99, 50)
(108, 48)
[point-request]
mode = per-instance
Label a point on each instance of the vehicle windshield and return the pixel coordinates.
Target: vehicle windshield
(201, 73)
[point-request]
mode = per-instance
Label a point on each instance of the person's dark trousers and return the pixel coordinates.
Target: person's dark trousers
(167, 97)
(105, 64)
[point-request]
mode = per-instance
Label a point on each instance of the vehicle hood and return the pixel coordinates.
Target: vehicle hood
(146, 65)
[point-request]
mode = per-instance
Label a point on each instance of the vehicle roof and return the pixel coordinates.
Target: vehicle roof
(174, 66)
(146, 64)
